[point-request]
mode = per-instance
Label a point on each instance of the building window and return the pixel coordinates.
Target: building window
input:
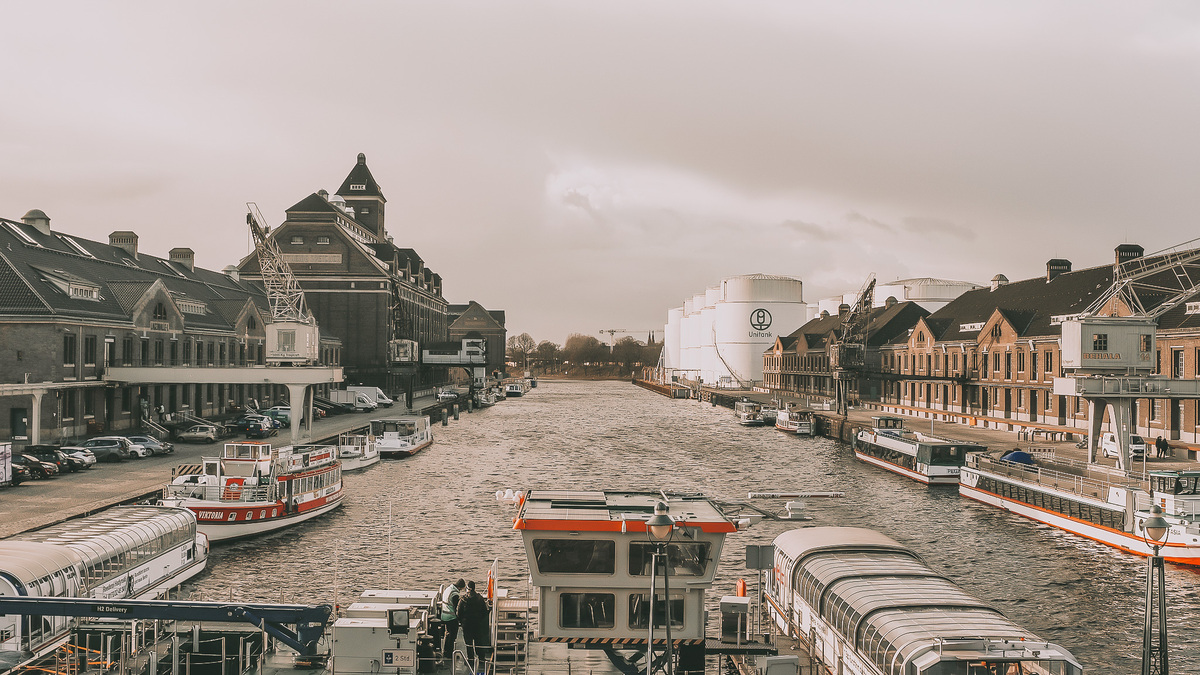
(127, 351)
(1100, 342)
(89, 403)
(1020, 361)
(126, 399)
(1177, 363)
(68, 405)
(221, 356)
(69, 349)
(212, 350)
(174, 352)
(296, 241)
(1008, 365)
(158, 352)
(1033, 371)
(996, 332)
(322, 241)
(145, 353)
(1049, 362)
(187, 394)
(252, 323)
(1153, 409)
(160, 312)
(89, 350)
(995, 362)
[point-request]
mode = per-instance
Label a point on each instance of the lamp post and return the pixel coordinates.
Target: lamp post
(660, 527)
(1154, 656)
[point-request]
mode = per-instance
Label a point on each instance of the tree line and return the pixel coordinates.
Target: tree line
(580, 351)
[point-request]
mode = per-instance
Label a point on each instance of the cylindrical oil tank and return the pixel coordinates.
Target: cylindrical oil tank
(694, 338)
(688, 347)
(708, 352)
(671, 336)
(753, 311)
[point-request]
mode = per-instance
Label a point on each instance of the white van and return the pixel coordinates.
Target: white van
(359, 400)
(1111, 448)
(374, 393)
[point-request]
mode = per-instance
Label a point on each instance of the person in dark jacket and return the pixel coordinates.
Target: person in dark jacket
(474, 615)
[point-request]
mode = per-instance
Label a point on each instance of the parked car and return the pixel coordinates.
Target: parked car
(109, 448)
(37, 468)
(1112, 448)
(245, 422)
(19, 475)
(447, 395)
(200, 433)
(53, 455)
(259, 428)
(82, 455)
(136, 450)
(155, 446)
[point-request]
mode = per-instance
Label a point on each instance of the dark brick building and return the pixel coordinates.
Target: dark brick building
(472, 320)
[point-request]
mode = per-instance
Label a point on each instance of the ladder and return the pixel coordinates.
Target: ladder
(511, 619)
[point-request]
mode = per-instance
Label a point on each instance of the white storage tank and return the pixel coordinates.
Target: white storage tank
(688, 347)
(752, 311)
(671, 337)
(928, 292)
(708, 352)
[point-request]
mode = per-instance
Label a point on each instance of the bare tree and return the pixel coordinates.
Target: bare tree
(520, 347)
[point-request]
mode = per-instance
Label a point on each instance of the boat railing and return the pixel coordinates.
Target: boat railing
(1094, 485)
(1182, 506)
(220, 493)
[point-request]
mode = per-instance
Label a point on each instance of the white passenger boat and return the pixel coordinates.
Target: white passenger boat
(1092, 501)
(357, 451)
(799, 422)
(401, 436)
(867, 605)
(770, 411)
(484, 398)
(251, 489)
(748, 413)
(514, 389)
(923, 457)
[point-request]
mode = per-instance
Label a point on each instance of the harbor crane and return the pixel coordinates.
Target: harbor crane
(848, 357)
(1109, 352)
(292, 334)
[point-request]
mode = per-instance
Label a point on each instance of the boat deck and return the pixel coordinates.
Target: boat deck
(1061, 474)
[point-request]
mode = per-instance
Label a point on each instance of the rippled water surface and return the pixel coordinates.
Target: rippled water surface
(417, 522)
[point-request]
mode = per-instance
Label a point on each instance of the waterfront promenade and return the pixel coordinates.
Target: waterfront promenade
(37, 504)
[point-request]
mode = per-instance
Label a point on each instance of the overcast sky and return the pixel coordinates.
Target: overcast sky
(588, 165)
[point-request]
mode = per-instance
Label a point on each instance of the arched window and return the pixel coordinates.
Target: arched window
(251, 323)
(160, 312)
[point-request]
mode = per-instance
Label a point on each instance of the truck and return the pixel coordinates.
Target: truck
(374, 393)
(359, 400)
(8, 474)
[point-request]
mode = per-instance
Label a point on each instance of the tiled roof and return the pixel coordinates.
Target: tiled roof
(883, 324)
(16, 295)
(314, 203)
(360, 177)
(127, 293)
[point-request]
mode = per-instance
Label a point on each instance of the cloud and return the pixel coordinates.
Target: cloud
(810, 229)
(924, 225)
(858, 218)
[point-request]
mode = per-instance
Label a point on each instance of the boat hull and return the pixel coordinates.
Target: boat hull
(407, 451)
(906, 472)
(214, 519)
(1177, 552)
(358, 463)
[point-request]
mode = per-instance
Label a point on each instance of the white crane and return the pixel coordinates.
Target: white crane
(292, 334)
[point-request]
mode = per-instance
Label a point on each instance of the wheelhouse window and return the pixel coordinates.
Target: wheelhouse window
(639, 611)
(587, 610)
(685, 559)
(575, 556)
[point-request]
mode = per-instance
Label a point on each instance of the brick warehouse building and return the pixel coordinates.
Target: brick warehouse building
(993, 353)
(472, 320)
(362, 288)
(70, 308)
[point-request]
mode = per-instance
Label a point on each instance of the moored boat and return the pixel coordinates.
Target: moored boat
(770, 411)
(485, 398)
(1092, 501)
(252, 489)
(799, 422)
(357, 451)
(925, 458)
(514, 389)
(401, 436)
(748, 413)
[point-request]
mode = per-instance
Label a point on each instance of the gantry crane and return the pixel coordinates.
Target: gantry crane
(292, 334)
(848, 357)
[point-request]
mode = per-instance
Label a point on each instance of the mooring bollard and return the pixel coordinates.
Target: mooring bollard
(445, 419)
(470, 406)
(455, 412)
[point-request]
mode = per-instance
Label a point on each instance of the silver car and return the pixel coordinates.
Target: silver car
(200, 433)
(84, 456)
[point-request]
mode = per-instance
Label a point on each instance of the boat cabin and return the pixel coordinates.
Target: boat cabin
(1177, 492)
(887, 423)
(590, 557)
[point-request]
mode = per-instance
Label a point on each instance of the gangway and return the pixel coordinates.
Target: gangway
(309, 620)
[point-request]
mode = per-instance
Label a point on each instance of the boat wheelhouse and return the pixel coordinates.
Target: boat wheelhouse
(1093, 501)
(357, 451)
(137, 552)
(515, 388)
(401, 436)
(749, 413)
(799, 422)
(251, 488)
(868, 605)
(590, 557)
(925, 458)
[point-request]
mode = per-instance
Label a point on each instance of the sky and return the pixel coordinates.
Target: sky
(588, 165)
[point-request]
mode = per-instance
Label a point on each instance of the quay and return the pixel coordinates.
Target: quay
(135, 480)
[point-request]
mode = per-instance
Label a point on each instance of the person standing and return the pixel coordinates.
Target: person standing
(474, 616)
(450, 616)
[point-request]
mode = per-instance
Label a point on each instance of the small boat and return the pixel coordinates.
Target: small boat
(401, 436)
(1096, 502)
(770, 411)
(513, 389)
(799, 422)
(922, 457)
(252, 489)
(357, 451)
(749, 413)
(485, 398)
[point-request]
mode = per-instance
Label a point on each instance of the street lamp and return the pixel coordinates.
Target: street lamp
(1154, 656)
(660, 527)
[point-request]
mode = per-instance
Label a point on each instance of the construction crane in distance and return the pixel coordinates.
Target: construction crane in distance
(292, 334)
(613, 332)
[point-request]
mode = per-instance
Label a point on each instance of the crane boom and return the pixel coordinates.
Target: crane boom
(292, 334)
(1175, 272)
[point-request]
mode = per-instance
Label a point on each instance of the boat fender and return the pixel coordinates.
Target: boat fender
(741, 588)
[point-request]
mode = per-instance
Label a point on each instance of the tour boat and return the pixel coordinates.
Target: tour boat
(252, 489)
(799, 422)
(357, 452)
(923, 457)
(513, 389)
(401, 436)
(1093, 501)
(770, 411)
(749, 413)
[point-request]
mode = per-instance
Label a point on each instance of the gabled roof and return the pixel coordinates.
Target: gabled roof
(475, 318)
(314, 203)
(16, 294)
(883, 324)
(360, 182)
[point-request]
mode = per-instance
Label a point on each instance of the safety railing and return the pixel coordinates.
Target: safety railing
(1092, 484)
(227, 493)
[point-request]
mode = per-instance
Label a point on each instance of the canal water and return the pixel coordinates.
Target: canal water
(418, 522)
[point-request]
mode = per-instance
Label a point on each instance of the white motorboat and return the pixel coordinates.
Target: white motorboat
(357, 451)
(401, 436)
(749, 413)
(922, 457)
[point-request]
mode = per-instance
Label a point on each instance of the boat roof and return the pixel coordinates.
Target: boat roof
(1176, 474)
(615, 511)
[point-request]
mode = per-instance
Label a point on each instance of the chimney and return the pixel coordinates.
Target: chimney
(1057, 266)
(38, 220)
(185, 257)
(231, 271)
(890, 302)
(998, 281)
(323, 193)
(1127, 252)
(126, 240)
